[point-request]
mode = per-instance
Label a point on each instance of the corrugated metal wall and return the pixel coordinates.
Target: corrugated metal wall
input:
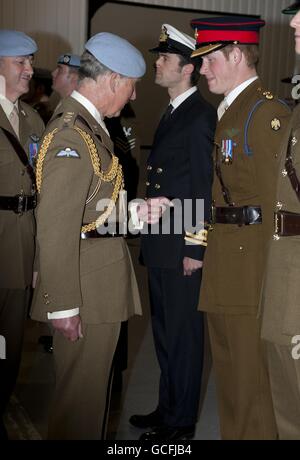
(58, 26)
(277, 45)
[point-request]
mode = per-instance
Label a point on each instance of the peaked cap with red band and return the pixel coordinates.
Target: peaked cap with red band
(215, 33)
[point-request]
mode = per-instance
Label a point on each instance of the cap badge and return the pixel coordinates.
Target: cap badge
(164, 35)
(66, 59)
(275, 124)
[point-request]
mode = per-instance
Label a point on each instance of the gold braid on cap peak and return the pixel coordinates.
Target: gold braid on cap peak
(114, 173)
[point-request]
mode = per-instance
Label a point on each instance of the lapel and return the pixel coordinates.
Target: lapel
(5, 122)
(233, 112)
(25, 131)
(171, 124)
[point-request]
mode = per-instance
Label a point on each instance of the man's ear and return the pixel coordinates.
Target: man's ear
(114, 80)
(236, 55)
(188, 69)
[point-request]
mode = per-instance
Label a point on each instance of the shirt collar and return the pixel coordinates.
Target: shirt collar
(182, 97)
(7, 105)
(89, 106)
(231, 97)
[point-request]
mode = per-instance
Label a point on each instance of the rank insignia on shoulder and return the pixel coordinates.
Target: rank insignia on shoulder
(67, 153)
(275, 124)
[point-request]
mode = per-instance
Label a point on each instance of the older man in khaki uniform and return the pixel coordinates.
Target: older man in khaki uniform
(86, 284)
(20, 131)
(281, 294)
(250, 128)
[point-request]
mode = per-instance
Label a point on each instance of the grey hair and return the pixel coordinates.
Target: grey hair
(90, 67)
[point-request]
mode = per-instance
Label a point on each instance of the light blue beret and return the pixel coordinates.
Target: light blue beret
(14, 43)
(117, 54)
(71, 60)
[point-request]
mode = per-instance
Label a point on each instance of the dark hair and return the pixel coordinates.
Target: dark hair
(197, 62)
(250, 52)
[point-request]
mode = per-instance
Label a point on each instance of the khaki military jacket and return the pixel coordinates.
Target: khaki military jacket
(281, 292)
(17, 230)
(234, 260)
(96, 274)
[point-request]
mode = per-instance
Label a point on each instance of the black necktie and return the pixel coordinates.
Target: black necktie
(167, 115)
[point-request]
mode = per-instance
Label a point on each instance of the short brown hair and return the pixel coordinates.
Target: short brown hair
(250, 52)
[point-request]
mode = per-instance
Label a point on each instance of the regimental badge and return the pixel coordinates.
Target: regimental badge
(227, 151)
(66, 59)
(275, 124)
(67, 153)
(35, 138)
(164, 35)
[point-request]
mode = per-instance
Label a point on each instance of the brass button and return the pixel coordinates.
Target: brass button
(46, 295)
(159, 170)
(149, 168)
(147, 183)
(284, 172)
(157, 186)
(241, 248)
(279, 205)
(47, 302)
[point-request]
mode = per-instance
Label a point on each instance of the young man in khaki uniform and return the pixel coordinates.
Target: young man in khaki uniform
(281, 294)
(86, 285)
(20, 131)
(251, 126)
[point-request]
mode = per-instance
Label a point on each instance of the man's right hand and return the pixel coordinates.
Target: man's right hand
(152, 210)
(70, 328)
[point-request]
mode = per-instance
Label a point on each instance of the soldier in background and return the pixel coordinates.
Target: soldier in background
(281, 294)
(20, 131)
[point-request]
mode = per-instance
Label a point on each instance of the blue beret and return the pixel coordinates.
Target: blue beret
(14, 43)
(292, 9)
(71, 60)
(117, 54)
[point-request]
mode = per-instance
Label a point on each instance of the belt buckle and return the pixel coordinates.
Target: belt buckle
(20, 207)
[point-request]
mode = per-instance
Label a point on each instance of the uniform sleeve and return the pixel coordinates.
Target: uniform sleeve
(200, 146)
(265, 136)
(66, 177)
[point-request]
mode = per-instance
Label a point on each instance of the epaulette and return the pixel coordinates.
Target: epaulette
(266, 96)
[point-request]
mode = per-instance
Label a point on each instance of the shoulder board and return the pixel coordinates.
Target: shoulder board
(266, 96)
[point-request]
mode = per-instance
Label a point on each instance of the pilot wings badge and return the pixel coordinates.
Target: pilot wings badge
(68, 153)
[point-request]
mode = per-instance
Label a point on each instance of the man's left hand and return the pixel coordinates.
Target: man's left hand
(191, 265)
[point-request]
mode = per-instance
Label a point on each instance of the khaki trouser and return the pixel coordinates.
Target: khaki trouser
(285, 384)
(243, 389)
(83, 381)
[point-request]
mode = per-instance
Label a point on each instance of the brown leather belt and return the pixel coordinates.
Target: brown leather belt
(242, 215)
(287, 223)
(17, 203)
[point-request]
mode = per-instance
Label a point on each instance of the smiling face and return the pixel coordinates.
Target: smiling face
(219, 72)
(295, 23)
(17, 72)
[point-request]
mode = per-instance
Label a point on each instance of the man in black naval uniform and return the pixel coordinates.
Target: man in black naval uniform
(179, 167)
